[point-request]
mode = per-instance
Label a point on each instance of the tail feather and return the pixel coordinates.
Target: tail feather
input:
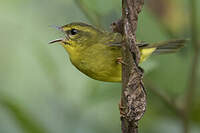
(166, 46)
(172, 46)
(169, 46)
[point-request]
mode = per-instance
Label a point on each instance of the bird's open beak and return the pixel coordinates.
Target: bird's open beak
(56, 40)
(62, 40)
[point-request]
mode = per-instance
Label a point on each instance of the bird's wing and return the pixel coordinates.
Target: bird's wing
(116, 39)
(111, 39)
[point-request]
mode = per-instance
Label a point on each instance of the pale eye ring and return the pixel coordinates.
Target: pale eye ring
(73, 31)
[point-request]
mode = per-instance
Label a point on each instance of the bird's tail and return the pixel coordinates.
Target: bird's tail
(171, 46)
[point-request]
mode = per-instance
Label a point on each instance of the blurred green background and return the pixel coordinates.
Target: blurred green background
(41, 92)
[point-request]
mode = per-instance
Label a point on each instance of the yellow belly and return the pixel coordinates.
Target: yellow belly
(101, 64)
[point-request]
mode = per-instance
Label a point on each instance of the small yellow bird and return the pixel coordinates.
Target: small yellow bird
(96, 53)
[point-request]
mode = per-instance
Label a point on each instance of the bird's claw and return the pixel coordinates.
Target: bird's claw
(120, 61)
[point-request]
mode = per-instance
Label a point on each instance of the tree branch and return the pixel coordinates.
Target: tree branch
(191, 89)
(193, 75)
(133, 97)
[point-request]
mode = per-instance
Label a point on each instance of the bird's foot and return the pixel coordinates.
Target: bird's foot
(119, 60)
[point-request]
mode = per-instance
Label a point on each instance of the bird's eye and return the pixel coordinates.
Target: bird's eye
(73, 31)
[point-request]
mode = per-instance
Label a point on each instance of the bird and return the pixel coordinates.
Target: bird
(97, 53)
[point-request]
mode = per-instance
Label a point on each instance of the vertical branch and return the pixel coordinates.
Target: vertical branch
(194, 68)
(133, 94)
(191, 89)
(133, 97)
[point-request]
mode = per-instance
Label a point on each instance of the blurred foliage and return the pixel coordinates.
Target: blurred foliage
(42, 92)
(170, 14)
(23, 119)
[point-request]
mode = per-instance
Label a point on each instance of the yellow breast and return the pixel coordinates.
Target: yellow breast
(99, 61)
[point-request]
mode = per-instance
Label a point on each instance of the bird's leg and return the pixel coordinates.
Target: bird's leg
(119, 60)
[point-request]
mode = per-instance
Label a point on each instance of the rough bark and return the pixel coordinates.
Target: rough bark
(133, 96)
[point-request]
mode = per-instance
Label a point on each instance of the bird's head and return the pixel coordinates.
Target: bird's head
(78, 35)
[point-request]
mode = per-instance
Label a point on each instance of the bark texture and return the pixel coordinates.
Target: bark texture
(133, 97)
